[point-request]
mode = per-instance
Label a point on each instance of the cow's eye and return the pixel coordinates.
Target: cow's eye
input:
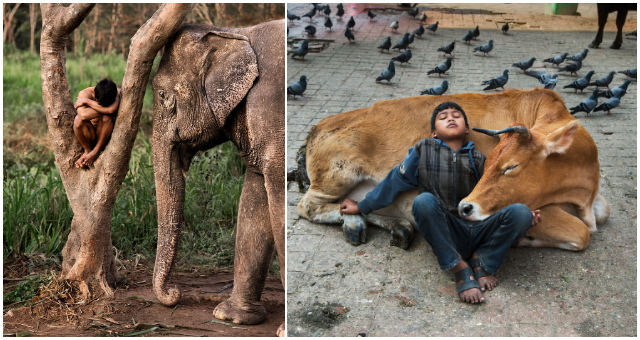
(509, 168)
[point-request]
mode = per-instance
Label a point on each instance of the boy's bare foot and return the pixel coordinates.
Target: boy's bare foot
(467, 287)
(91, 157)
(486, 280)
(80, 163)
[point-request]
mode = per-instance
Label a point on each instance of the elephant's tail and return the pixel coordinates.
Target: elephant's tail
(300, 174)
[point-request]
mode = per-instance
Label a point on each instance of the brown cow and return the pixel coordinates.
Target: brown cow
(349, 153)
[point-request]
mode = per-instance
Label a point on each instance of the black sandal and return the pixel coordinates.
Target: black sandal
(463, 275)
(473, 263)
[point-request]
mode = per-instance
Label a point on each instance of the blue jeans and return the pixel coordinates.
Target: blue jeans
(454, 239)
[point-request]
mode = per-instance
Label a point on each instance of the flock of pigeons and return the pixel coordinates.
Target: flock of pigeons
(547, 80)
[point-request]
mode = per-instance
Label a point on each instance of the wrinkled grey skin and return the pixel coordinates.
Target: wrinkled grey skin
(214, 85)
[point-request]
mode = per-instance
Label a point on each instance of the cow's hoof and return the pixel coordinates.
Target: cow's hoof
(616, 45)
(354, 229)
(245, 314)
(401, 237)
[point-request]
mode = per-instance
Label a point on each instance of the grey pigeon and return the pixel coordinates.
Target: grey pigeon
(388, 73)
(371, 15)
(604, 81)
(298, 88)
(328, 23)
(318, 7)
(311, 30)
(414, 11)
(582, 83)
(442, 68)
(327, 10)
(476, 32)
(292, 16)
(412, 38)
(557, 60)
(544, 78)
(580, 56)
(614, 91)
(403, 58)
(302, 50)
(437, 90)
(349, 35)
(340, 11)
(551, 83)
(573, 68)
(486, 48)
(467, 37)
(524, 65)
(433, 27)
(394, 25)
(423, 17)
(632, 73)
(448, 49)
(610, 104)
(586, 105)
(386, 45)
(496, 82)
(505, 28)
(419, 31)
(310, 14)
(351, 23)
(403, 44)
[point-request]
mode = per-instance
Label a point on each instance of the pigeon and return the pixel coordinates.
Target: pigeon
(544, 78)
(302, 50)
(371, 15)
(327, 10)
(402, 44)
(351, 23)
(311, 30)
(467, 37)
(476, 32)
(340, 11)
(524, 65)
(614, 91)
(349, 35)
(433, 27)
(586, 105)
(386, 45)
(328, 23)
(557, 60)
(632, 73)
(610, 104)
(298, 88)
(412, 38)
(394, 25)
(419, 31)
(414, 11)
(582, 83)
(573, 68)
(423, 17)
(318, 7)
(442, 68)
(496, 82)
(505, 28)
(448, 49)
(604, 81)
(403, 58)
(551, 83)
(486, 48)
(634, 33)
(310, 14)
(388, 73)
(437, 90)
(580, 56)
(292, 16)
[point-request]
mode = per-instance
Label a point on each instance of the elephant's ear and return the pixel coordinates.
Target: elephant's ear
(231, 68)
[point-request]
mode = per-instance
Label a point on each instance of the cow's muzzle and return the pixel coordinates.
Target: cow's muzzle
(470, 211)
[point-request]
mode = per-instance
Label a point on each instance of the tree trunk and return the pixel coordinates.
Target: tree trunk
(7, 21)
(113, 26)
(90, 46)
(32, 25)
(221, 14)
(92, 193)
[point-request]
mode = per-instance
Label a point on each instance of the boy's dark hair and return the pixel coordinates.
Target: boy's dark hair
(106, 92)
(444, 106)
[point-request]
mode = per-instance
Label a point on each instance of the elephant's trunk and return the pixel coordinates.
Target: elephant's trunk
(170, 193)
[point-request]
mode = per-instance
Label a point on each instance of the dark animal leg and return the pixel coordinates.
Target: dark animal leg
(620, 19)
(603, 13)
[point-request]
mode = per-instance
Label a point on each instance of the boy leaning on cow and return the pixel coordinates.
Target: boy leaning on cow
(445, 170)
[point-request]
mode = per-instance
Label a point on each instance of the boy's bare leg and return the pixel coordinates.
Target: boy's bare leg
(104, 130)
(486, 282)
(86, 133)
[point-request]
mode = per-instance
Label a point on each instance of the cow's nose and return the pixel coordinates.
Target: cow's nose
(466, 210)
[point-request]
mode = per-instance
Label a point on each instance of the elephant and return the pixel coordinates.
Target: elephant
(214, 85)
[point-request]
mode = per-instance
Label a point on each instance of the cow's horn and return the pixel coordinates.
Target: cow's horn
(520, 129)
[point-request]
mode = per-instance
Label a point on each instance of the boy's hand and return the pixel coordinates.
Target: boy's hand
(536, 217)
(349, 207)
(80, 102)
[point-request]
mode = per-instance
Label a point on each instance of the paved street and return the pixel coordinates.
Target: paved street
(336, 289)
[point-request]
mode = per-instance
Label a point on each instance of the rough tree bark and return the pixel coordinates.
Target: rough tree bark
(92, 193)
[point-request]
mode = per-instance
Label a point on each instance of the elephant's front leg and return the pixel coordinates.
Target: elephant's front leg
(253, 256)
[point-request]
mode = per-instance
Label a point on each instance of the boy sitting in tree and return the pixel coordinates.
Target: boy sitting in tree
(97, 107)
(445, 170)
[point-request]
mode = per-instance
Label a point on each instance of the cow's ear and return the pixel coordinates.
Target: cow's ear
(558, 141)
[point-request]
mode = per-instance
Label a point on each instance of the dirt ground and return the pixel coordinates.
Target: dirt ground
(135, 310)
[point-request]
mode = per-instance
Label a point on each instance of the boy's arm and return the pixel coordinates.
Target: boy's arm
(403, 177)
(86, 113)
(111, 109)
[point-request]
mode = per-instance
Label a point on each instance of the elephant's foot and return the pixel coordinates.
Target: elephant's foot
(243, 314)
(281, 332)
(616, 45)
(401, 236)
(354, 229)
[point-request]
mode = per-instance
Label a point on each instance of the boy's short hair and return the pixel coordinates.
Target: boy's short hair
(106, 92)
(444, 106)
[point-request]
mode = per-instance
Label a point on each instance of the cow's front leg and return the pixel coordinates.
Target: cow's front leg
(557, 229)
(354, 229)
